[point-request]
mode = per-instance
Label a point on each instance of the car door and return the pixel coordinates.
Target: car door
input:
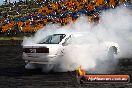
(65, 44)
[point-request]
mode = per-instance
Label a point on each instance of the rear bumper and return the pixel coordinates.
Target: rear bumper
(48, 59)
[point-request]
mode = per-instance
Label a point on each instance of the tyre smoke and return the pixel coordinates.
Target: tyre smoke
(89, 50)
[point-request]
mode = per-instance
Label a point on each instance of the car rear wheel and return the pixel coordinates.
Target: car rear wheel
(30, 66)
(47, 68)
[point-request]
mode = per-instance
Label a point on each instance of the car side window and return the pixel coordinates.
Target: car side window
(67, 40)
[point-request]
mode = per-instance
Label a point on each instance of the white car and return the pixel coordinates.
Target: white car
(51, 48)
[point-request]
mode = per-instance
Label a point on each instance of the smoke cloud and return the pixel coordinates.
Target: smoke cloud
(115, 26)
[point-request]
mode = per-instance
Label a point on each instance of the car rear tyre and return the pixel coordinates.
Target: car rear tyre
(47, 68)
(30, 66)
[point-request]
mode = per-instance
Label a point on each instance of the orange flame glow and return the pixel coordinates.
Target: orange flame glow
(81, 71)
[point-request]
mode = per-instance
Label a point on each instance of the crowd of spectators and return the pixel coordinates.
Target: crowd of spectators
(29, 16)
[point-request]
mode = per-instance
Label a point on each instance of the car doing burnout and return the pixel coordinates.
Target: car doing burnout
(51, 48)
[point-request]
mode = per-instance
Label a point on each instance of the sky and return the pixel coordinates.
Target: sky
(1, 1)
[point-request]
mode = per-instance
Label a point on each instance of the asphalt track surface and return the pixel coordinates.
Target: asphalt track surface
(14, 75)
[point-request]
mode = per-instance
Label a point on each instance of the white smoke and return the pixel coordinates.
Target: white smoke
(115, 25)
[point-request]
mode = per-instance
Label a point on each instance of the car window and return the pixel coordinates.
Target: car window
(53, 39)
(67, 40)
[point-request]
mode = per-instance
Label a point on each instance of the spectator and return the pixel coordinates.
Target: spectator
(30, 16)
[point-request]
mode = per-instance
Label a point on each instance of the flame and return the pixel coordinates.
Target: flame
(81, 71)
